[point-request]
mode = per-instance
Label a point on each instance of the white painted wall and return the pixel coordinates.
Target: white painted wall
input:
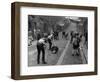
(5, 40)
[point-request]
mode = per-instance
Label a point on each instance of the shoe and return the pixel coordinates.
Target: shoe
(44, 62)
(72, 54)
(78, 54)
(38, 62)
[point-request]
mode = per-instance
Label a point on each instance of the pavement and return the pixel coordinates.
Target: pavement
(51, 59)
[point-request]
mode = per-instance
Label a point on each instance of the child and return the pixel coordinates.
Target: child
(76, 45)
